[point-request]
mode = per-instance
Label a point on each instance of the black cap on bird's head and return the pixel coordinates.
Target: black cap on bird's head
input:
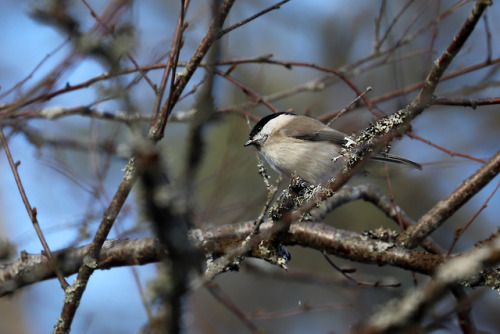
(260, 124)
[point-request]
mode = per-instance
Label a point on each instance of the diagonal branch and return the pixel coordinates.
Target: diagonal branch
(386, 129)
(445, 208)
(90, 263)
(213, 34)
(404, 314)
(31, 212)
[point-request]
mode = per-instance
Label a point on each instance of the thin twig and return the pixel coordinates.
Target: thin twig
(168, 65)
(355, 281)
(271, 192)
(391, 198)
(224, 299)
(247, 90)
(489, 51)
(379, 43)
(253, 17)
(32, 212)
(460, 231)
(111, 32)
(452, 153)
(349, 107)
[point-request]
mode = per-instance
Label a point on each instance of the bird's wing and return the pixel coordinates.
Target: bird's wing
(314, 130)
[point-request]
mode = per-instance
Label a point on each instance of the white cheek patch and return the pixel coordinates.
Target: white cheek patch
(268, 128)
(278, 123)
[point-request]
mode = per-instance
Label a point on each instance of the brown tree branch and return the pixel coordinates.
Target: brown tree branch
(429, 222)
(405, 313)
(214, 242)
(32, 212)
(213, 34)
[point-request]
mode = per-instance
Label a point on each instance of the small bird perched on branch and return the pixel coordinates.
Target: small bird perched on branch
(301, 145)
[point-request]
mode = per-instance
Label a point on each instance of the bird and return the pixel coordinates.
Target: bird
(304, 146)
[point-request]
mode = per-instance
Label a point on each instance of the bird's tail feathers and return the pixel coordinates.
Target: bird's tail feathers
(396, 159)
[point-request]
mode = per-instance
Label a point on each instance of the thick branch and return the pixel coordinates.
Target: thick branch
(32, 268)
(444, 60)
(445, 208)
(401, 315)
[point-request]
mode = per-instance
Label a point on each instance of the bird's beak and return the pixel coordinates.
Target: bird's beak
(249, 142)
